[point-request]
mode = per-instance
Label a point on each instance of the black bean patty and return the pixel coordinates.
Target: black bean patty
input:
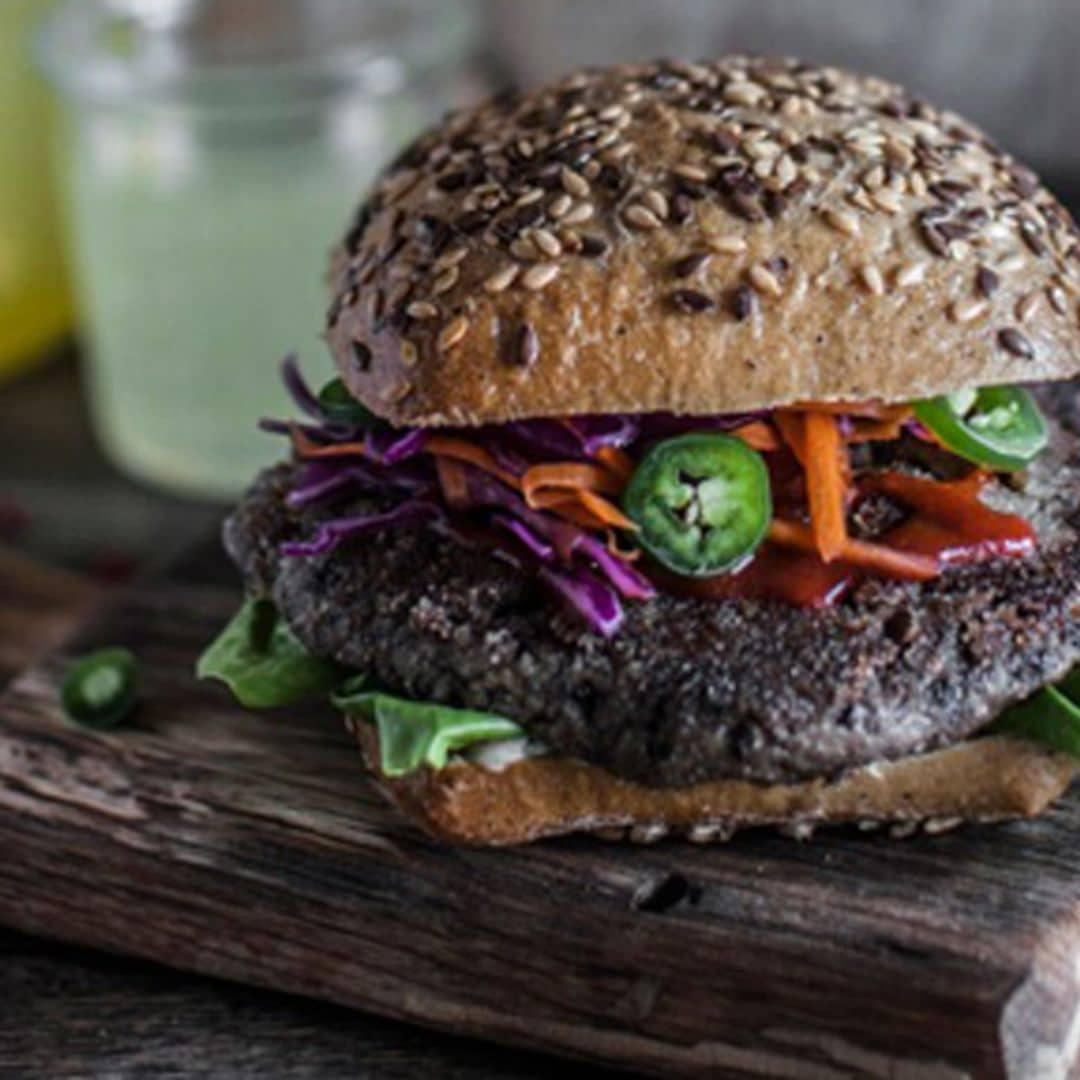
(689, 690)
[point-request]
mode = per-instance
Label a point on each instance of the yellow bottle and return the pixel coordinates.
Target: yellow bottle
(35, 304)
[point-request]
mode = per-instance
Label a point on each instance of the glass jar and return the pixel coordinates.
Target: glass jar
(35, 306)
(214, 153)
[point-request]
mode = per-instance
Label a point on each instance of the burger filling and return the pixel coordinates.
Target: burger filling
(801, 506)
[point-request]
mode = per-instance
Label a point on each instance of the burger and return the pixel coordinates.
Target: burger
(694, 463)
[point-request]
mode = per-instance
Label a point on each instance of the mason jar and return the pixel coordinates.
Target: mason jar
(213, 152)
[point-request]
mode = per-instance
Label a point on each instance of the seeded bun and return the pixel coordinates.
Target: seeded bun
(700, 238)
(986, 780)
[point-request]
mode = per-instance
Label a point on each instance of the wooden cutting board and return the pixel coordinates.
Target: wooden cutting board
(250, 847)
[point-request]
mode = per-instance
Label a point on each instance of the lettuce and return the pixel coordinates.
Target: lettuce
(261, 661)
(413, 734)
(1050, 717)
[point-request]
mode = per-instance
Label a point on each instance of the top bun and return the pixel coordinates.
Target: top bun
(700, 238)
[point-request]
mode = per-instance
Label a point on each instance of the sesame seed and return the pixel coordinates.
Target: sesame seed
(578, 214)
(965, 311)
(917, 185)
(1011, 340)
(841, 220)
(422, 309)
(640, 217)
(690, 171)
(657, 202)
(747, 94)
(547, 242)
(1058, 300)
(559, 205)
(501, 279)
(727, 244)
(453, 332)
(888, 200)
(1027, 305)
(573, 183)
(690, 264)
(874, 178)
(691, 301)
(613, 113)
(614, 154)
(445, 281)
(450, 258)
(1012, 263)
(786, 171)
(764, 280)
(536, 277)
(872, 278)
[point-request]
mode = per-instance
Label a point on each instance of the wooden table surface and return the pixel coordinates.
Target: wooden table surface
(73, 1013)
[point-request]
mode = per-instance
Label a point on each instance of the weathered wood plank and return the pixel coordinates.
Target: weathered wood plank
(249, 847)
(39, 606)
(72, 1013)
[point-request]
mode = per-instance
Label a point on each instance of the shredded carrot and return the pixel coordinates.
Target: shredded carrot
(305, 448)
(616, 461)
(792, 427)
(565, 504)
(887, 561)
(461, 450)
(452, 480)
(876, 430)
(758, 435)
(605, 510)
(870, 410)
(569, 476)
(581, 507)
(626, 554)
(826, 483)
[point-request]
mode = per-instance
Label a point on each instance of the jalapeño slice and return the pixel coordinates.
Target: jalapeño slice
(701, 502)
(340, 407)
(99, 691)
(999, 427)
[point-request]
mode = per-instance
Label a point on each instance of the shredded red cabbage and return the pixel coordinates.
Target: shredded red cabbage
(572, 561)
(594, 601)
(331, 533)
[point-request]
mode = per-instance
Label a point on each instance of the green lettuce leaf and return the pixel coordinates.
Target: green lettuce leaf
(413, 734)
(261, 661)
(1050, 717)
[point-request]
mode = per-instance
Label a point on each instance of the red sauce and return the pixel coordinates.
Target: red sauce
(948, 523)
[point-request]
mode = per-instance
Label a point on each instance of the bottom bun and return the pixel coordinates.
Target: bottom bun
(989, 779)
